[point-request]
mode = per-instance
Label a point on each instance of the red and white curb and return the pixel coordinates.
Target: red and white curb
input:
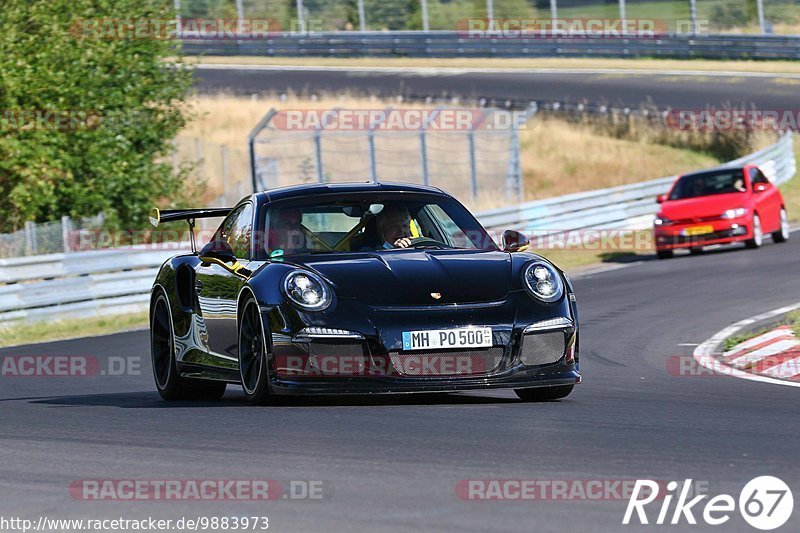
(773, 357)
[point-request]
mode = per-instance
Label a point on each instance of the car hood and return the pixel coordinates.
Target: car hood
(409, 277)
(703, 206)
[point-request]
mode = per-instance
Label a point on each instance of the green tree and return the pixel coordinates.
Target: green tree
(115, 161)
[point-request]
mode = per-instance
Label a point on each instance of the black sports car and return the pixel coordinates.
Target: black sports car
(359, 288)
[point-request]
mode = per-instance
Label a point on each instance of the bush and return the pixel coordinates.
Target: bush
(122, 105)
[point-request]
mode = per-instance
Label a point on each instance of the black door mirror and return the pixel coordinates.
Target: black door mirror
(514, 241)
(218, 249)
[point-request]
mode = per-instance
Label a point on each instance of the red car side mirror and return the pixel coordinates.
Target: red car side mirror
(661, 198)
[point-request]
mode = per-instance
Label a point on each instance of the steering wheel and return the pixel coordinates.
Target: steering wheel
(417, 241)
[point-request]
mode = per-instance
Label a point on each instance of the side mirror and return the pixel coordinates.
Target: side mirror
(219, 250)
(661, 198)
(514, 241)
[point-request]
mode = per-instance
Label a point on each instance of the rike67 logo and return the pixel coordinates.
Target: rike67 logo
(765, 503)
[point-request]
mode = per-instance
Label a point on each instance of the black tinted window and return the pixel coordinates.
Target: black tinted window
(709, 183)
(237, 230)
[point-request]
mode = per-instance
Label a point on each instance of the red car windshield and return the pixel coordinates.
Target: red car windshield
(709, 183)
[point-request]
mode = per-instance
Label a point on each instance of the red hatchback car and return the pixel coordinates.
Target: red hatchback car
(719, 207)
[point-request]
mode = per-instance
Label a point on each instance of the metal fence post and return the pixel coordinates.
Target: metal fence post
(373, 167)
(239, 16)
(473, 172)
(423, 145)
(553, 13)
(66, 230)
(301, 21)
(693, 15)
(514, 175)
(622, 13)
(251, 146)
(178, 15)
(425, 23)
(318, 154)
(362, 19)
(761, 22)
(318, 143)
(423, 156)
(30, 238)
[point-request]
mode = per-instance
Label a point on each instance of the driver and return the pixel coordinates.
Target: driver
(394, 227)
(286, 231)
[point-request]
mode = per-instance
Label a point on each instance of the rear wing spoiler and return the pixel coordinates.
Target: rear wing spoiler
(189, 215)
(158, 216)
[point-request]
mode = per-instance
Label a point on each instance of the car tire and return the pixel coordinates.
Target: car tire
(782, 235)
(170, 385)
(758, 235)
(253, 367)
(544, 394)
(664, 254)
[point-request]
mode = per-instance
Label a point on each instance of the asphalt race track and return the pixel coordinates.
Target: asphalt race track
(392, 464)
(678, 91)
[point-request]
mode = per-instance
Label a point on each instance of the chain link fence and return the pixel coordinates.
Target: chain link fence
(708, 16)
(47, 237)
(473, 154)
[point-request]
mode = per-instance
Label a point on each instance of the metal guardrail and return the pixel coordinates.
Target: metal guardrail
(78, 284)
(458, 44)
(621, 206)
(92, 283)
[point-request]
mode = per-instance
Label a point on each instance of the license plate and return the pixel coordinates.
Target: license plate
(697, 230)
(447, 338)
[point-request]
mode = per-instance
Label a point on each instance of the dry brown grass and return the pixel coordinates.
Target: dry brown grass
(561, 158)
(557, 157)
(633, 64)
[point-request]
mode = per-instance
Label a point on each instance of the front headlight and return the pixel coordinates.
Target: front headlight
(735, 213)
(542, 282)
(307, 291)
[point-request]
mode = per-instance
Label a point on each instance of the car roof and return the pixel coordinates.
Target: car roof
(304, 190)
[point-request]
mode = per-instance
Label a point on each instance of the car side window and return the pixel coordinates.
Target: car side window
(237, 230)
(756, 177)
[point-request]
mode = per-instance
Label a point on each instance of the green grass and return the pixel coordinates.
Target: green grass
(791, 190)
(792, 319)
(69, 329)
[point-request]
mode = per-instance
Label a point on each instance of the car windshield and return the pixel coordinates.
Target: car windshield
(709, 183)
(367, 223)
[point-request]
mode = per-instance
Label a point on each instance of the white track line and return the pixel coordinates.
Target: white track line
(706, 353)
(450, 71)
